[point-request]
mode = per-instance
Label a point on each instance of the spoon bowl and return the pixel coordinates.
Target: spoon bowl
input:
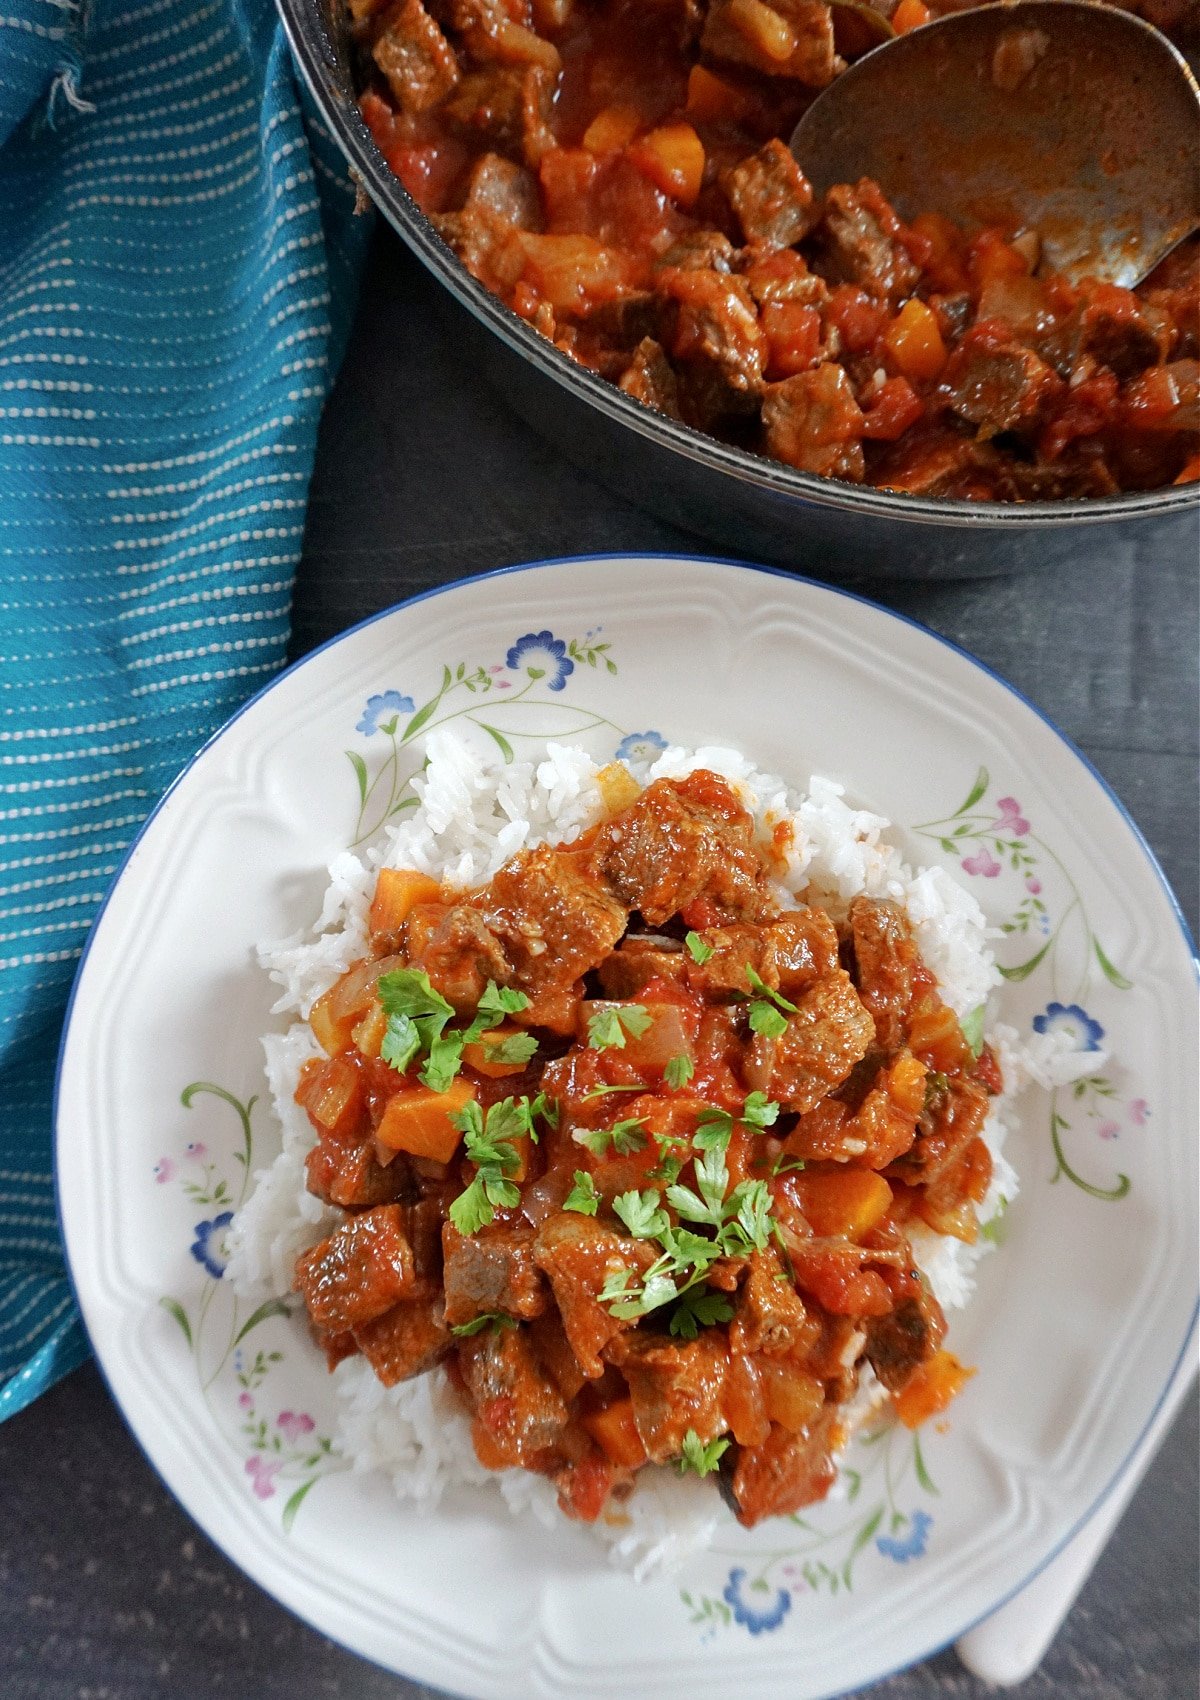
(1065, 117)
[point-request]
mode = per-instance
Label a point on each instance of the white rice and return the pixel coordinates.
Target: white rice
(474, 813)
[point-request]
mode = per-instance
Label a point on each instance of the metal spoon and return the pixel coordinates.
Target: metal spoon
(1068, 118)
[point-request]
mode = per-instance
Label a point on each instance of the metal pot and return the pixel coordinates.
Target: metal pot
(744, 502)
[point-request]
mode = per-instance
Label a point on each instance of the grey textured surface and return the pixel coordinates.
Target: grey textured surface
(107, 1590)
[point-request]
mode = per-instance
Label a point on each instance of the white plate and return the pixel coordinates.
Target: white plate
(1080, 1317)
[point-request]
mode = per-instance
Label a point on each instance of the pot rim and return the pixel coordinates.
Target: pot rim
(316, 55)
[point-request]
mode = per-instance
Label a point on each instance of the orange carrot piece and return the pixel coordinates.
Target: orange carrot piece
(616, 1433)
(910, 15)
(930, 1388)
(397, 890)
(612, 129)
(843, 1201)
(418, 1121)
(672, 157)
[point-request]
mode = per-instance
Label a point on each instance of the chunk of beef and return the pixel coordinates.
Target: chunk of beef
(501, 198)
(553, 922)
(406, 1340)
(675, 1386)
(786, 1472)
(714, 324)
(423, 1228)
(943, 1133)
(885, 960)
(771, 196)
(643, 957)
(493, 1270)
(860, 242)
(508, 104)
(812, 421)
(899, 1342)
(996, 383)
(683, 839)
(626, 321)
(555, 1354)
(875, 1134)
(419, 63)
(578, 1255)
(702, 250)
(941, 461)
(1120, 331)
(783, 275)
(360, 1271)
(788, 954)
(829, 1033)
(519, 1412)
(457, 950)
(770, 1316)
(650, 379)
(352, 1176)
(787, 38)
(507, 191)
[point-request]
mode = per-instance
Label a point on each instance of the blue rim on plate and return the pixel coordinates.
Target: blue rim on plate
(737, 566)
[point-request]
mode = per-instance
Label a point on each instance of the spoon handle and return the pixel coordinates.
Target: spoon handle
(1008, 1646)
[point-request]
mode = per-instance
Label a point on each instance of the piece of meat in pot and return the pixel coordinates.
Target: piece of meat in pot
(771, 196)
(578, 1255)
(495, 30)
(406, 1340)
(788, 954)
(510, 105)
(860, 243)
(885, 962)
(787, 38)
(786, 1472)
(829, 1033)
(457, 950)
(681, 840)
(519, 1411)
(675, 1386)
(553, 922)
(641, 958)
(996, 383)
(702, 250)
(419, 63)
(501, 198)
(1117, 329)
(492, 1270)
(713, 323)
(360, 1271)
(650, 379)
(812, 422)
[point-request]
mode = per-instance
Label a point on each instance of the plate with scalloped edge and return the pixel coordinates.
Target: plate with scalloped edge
(162, 1115)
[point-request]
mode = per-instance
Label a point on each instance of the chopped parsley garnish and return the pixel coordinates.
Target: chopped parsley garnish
(417, 1017)
(759, 1111)
(496, 1319)
(583, 1196)
(767, 1020)
(700, 951)
(700, 1308)
(972, 1029)
(936, 1083)
(679, 1071)
(759, 985)
(607, 1027)
(642, 1214)
(489, 1146)
(515, 1048)
(699, 1457)
(603, 1091)
(622, 1137)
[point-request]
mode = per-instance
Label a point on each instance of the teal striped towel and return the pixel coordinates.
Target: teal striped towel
(178, 252)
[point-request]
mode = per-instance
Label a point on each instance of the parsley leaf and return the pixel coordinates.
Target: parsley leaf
(603, 1091)
(699, 1457)
(972, 1029)
(489, 1146)
(417, 1017)
(607, 1027)
(641, 1213)
(679, 1071)
(622, 1137)
(700, 951)
(767, 1020)
(714, 1130)
(499, 1001)
(759, 1111)
(515, 1048)
(494, 1318)
(707, 1204)
(759, 985)
(700, 1308)
(749, 1204)
(582, 1197)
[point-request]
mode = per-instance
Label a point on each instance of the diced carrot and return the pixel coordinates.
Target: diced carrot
(910, 15)
(616, 1433)
(906, 1083)
(842, 1201)
(418, 1121)
(368, 1035)
(673, 158)
(930, 1388)
(397, 890)
(711, 100)
(990, 256)
(332, 1093)
(612, 129)
(476, 1055)
(914, 341)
